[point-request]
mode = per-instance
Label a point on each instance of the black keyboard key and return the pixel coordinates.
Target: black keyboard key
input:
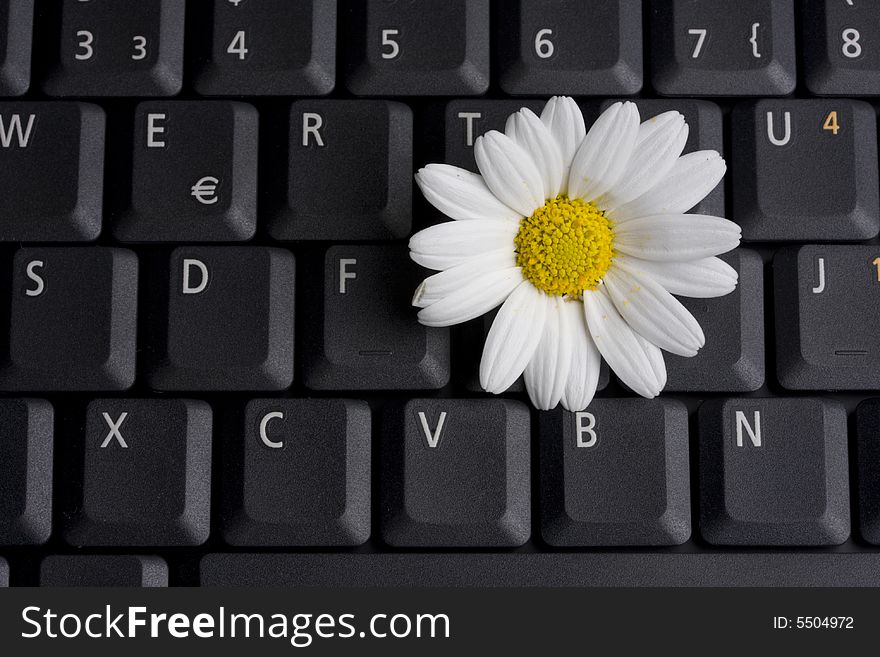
(226, 320)
(543, 569)
(868, 428)
(51, 171)
(616, 474)
(732, 360)
(721, 48)
(705, 132)
(73, 320)
(361, 331)
(103, 570)
(299, 474)
(16, 24)
(4, 573)
(456, 473)
(773, 472)
(194, 174)
(581, 48)
(266, 48)
(349, 172)
(433, 48)
(468, 119)
(805, 170)
(827, 313)
(26, 440)
(119, 48)
(142, 476)
(840, 53)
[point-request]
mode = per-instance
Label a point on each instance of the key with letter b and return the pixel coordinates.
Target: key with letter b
(773, 472)
(827, 314)
(456, 473)
(805, 170)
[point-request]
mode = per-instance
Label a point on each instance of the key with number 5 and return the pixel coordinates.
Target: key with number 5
(117, 48)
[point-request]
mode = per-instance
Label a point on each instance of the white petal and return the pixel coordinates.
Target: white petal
(626, 353)
(461, 194)
(547, 371)
(527, 130)
(509, 172)
(655, 358)
(658, 146)
(446, 282)
(653, 313)
(566, 123)
(513, 338)
(704, 278)
(473, 299)
(605, 152)
(687, 183)
(676, 236)
(586, 363)
(451, 243)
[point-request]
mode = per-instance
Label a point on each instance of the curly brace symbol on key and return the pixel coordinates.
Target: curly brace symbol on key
(205, 190)
(754, 40)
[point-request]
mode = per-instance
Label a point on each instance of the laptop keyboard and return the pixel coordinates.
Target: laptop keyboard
(210, 370)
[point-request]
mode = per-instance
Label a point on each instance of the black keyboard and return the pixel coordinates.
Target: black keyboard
(210, 369)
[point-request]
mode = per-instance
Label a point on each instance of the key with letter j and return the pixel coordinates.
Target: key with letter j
(774, 472)
(226, 320)
(456, 473)
(73, 320)
(142, 476)
(361, 331)
(51, 171)
(827, 314)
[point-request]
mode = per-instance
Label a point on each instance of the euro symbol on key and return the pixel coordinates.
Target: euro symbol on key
(205, 190)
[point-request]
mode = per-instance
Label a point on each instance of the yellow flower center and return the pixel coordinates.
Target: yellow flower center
(565, 247)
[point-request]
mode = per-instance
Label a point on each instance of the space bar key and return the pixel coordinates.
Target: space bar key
(541, 570)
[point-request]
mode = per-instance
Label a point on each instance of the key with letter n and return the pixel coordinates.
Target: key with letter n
(51, 171)
(773, 472)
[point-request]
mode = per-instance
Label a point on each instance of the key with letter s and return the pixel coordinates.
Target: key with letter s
(361, 331)
(72, 320)
(805, 170)
(226, 320)
(456, 473)
(827, 314)
(774, 472)
(51, 171)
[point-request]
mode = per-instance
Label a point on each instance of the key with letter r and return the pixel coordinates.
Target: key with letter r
(456, 473)
(51, 171)
(361, 331)
(143, 475)
(774, 472)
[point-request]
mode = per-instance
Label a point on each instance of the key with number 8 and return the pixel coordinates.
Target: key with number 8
(118, 48)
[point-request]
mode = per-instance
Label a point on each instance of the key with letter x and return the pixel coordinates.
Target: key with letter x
(142, 476)
(456, 473)
(773, 472)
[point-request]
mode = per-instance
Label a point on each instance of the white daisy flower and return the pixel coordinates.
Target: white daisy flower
(582, 238)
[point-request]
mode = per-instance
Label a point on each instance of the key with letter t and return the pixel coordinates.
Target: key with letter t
(773, 472)
(827, 317)
(456, 473)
